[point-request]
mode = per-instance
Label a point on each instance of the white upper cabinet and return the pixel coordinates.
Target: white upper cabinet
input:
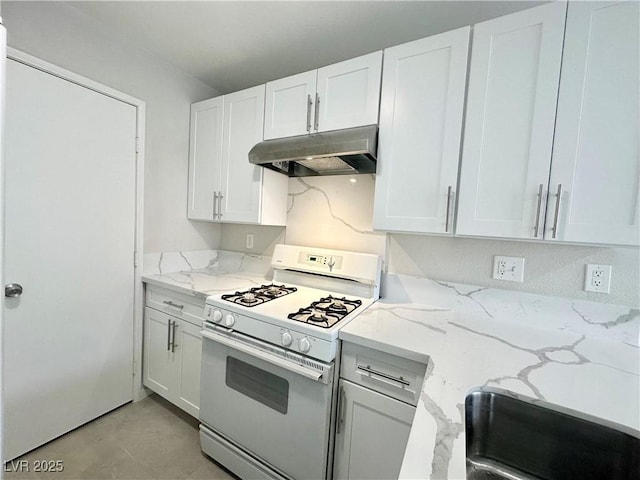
(595, 154)
(348, 93)
(338, 96)
(423, 88)
(289, 106)
(223, 185)
(205, 158)
(508, 137)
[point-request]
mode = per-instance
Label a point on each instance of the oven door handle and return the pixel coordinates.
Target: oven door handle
(262, 355)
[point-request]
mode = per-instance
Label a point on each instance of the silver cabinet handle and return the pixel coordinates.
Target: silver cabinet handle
(169, 335)
(446, 221)
(317, 113)
(309, 104)
(173, 341)
(341, 402)
(215, 201)
(371, 371)
(174, 305)
(12, 290)
(536, 227)
(557, 214)
(219, 205)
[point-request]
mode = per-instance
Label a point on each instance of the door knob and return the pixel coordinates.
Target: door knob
(12, 290)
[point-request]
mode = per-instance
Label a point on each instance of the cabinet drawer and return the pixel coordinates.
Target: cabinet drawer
(394, 376)
(185, 307)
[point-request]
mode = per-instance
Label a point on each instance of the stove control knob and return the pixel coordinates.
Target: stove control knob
(286, 339)
(304, 345)
(217, 316)
(229, 320)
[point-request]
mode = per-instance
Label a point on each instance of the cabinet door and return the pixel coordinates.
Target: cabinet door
(423, 87)
(595, 154)
(159, 367)
(289, 106)
(205, 157)
(242, 181)
(372, 436)
(511, 106)
(189, 352)
(349, 93)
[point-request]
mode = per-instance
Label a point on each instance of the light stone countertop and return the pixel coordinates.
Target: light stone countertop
(204, 282)
(206, 272)
(581, 355)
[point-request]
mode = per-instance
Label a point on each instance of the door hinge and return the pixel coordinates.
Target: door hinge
(135, 259)
(137, 144)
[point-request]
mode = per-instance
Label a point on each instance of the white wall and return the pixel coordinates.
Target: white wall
(57, 33)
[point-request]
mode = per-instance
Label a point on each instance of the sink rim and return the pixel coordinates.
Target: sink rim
(625, 429)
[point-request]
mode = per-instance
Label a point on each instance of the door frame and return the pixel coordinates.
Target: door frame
(138, 294)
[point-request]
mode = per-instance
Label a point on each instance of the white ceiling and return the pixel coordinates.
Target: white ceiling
(235, 44)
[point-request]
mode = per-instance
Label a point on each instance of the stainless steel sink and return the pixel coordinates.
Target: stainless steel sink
(514, 437)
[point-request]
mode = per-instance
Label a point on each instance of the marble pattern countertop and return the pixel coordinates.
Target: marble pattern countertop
(581, 355)
(206, 273)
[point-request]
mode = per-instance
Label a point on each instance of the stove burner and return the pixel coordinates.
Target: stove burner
(317, 316)
(272, 291)
(248, 297)
(258, 295)
(326, 312)
(338, 305)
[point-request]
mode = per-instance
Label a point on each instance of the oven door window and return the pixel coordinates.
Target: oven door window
(258, 384)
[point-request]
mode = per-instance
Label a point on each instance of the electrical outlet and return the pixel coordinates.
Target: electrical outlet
(508, 268)
(248, 243)
(597, 278)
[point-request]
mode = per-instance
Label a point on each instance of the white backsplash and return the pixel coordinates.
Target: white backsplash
(333, 212)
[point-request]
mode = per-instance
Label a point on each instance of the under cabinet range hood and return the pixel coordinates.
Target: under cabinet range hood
(340, 152)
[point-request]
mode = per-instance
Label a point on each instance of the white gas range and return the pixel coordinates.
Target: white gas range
(269, 362)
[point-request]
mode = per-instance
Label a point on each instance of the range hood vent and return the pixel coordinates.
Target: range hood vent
(340, 152)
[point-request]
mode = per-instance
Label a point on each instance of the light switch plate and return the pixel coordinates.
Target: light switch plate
(508, 268)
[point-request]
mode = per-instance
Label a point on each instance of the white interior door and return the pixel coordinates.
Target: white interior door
(70, 232)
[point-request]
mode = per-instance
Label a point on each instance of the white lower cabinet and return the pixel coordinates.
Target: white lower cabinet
(172, 350)
(377, 399)
(372, 434)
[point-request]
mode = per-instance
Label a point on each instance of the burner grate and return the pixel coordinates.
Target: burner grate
(325, 312)
(258, 295)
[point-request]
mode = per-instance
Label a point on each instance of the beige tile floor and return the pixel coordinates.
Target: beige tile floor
(150, 439)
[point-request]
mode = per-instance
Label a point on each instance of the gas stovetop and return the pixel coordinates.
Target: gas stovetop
(314, 293)
(324, 312)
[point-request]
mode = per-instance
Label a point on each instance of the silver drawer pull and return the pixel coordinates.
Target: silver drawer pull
(171, 304)
(371, 371)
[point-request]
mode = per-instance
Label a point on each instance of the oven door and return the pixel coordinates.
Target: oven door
(274, 408)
